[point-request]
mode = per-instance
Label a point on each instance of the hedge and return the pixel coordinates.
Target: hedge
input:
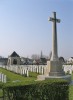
(43, 90)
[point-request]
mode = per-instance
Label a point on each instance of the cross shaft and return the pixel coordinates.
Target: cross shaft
(54, 37)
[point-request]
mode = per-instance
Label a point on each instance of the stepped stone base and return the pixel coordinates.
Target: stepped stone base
(54, 70)
(43, 77)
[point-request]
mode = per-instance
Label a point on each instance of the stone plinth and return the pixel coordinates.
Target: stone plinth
(54, 68)
(43, 77)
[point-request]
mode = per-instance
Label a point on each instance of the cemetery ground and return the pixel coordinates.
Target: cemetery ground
(16, 80)
(12, 77)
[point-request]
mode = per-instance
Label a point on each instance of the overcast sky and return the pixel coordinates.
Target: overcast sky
(24, 27)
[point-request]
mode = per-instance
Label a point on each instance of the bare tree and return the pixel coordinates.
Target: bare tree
(35, 57)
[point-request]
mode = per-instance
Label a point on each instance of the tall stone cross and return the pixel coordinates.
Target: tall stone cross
(54, 37)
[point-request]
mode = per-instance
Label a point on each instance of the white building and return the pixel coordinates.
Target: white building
(70, 60)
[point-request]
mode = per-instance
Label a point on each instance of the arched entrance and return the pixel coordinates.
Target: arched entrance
(14, 61)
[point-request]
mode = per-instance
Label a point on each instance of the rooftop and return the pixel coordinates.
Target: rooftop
(14, 54)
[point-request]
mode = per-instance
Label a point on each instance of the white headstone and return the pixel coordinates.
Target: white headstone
(42, 70)
(27, 73)
(37, 69)
(4, 78)
(70, 71)
(23, 71)
(0, 76)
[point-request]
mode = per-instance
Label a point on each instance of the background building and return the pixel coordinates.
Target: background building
(14, 59)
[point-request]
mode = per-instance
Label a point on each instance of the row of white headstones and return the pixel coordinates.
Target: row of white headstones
(3, 78)
(25, 69)
(68, 69)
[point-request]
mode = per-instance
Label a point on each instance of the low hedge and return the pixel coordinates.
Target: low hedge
(43, 90)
